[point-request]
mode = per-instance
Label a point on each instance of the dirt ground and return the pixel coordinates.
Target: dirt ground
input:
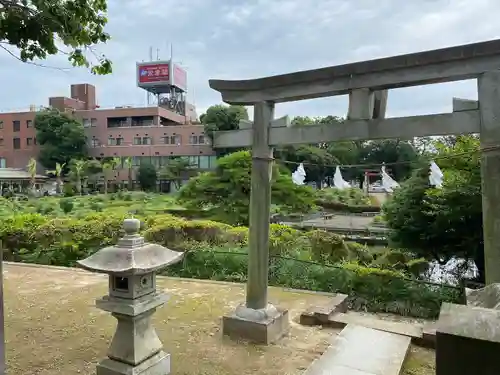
(420, 361)
(53, 327)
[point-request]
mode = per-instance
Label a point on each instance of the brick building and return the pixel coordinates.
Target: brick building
(148, 134)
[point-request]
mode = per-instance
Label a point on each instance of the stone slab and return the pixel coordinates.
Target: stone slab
(471, 322)
(316, 315)
(159, 364)
(261, 332)
(467, 341)
(362, 351)
(400, 328)
(428, 339)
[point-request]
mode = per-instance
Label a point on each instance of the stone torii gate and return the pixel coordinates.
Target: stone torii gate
(366, 83)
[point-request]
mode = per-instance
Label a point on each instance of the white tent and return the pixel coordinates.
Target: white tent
(388, 183)
(435, 176)
(299, 175)
(338, 180)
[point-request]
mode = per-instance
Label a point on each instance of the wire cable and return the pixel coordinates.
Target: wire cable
(406, 162)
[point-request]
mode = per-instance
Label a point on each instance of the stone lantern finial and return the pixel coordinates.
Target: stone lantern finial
(132, 300)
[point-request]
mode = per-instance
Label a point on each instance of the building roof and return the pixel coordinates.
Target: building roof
(16, 174)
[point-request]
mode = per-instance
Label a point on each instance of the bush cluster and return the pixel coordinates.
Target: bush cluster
(315, 260)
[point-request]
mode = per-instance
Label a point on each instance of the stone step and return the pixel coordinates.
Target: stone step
(318, 315)
(358, 350)
(340, 320)
(335, 315)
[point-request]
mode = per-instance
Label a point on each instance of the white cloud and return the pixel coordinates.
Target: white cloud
(254, 38)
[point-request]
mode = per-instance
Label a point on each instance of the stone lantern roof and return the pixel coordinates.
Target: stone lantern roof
(131, 255)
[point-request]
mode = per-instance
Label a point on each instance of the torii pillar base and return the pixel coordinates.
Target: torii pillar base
(263, 326)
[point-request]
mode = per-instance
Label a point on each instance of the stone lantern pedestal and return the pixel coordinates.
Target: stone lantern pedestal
(131, 265)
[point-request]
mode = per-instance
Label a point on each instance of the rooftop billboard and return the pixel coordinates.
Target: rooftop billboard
(161, 74)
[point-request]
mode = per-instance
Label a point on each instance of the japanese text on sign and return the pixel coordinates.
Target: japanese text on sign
(154, 73)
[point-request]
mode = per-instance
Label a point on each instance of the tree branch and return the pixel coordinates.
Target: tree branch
(30, 62)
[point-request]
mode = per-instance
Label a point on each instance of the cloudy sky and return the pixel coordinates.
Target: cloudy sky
(238, 39)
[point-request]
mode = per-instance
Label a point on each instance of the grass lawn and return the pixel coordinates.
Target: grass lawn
(52, 326)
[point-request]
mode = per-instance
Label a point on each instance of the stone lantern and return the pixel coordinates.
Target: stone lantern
(131, 265)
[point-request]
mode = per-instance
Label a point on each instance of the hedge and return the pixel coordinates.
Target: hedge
(35, 238)
(369, 289)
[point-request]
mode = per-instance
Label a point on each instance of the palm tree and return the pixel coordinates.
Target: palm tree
(58, 173)
(32, 171)
(78, 168)
(127, 163)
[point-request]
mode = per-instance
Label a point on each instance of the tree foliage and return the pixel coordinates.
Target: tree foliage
(319, 163)
(391, 151)
(321, 159)
(37, 27)
(147, 176)
(442, 223)
(226, 191)
(176, 170)
(61, 138)
(221, 118)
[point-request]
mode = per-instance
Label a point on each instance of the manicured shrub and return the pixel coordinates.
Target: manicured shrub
(66, 205)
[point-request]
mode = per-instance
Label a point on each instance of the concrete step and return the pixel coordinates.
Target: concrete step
(318, 315)
(358, 350)
(411, 330)
(335, 315)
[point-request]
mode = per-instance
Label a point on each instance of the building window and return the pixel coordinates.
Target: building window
(29, 141)
(94, 142)
(204, 162)
(29, 123)
(93, 122)
(1, 141)
(115, 141)
(16, 143)
(194, 161)
(34, 141)
(143, 141)
(16, 125)
(86, 123)
(172, 140)
(3, 163)
(1, 124)
(196, 139)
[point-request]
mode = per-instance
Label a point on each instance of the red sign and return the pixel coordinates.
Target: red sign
(154, 73)
(180, 77)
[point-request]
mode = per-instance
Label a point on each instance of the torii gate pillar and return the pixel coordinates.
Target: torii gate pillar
(489, 111)
(257, 320)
